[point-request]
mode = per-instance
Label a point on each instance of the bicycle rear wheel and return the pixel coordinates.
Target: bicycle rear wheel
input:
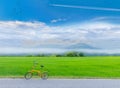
(28, 75)
(44, 75)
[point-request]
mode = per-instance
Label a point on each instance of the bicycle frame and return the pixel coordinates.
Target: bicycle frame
(39, 72)
(35, 71)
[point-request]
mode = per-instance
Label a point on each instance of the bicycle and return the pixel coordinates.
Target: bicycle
(42, 73)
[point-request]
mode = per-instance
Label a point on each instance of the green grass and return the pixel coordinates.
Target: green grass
(65, 67)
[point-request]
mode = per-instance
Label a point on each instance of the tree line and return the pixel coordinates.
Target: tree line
(68, 54)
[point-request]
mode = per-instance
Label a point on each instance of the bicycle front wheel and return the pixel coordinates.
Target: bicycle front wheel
(44, 75)
(28, 75)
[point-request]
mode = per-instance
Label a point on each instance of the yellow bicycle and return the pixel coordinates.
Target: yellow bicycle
(42, 72)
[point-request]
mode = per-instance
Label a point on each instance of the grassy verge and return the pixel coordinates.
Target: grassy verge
(63, 67)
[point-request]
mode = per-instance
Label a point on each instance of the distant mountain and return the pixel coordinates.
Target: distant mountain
(75, 46)
(81, 46)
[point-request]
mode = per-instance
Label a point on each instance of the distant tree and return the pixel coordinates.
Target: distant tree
(74, 54)
(81, 54)
(59, 55)
(71, 54)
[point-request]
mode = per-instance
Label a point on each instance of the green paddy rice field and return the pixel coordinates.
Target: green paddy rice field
(63, 67)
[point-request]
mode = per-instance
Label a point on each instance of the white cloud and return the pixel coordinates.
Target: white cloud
(57, 20)
(39, 30)
(32, 34)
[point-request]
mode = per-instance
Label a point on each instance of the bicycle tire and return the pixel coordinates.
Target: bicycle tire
(28, 75)
(44, 75)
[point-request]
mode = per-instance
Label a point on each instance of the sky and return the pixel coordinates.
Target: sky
(33, 26)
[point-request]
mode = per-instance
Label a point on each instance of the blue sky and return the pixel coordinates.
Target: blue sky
(42, 10)
(36, 24)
